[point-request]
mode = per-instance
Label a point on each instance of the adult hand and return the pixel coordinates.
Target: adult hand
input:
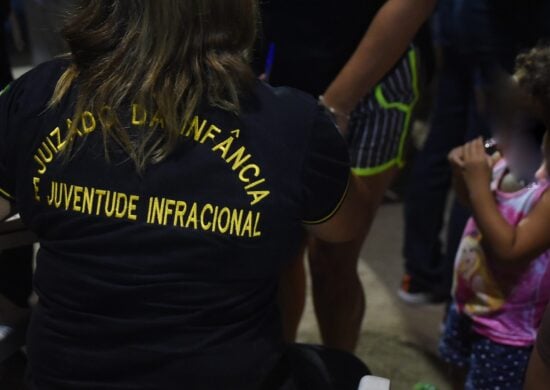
(477, 166)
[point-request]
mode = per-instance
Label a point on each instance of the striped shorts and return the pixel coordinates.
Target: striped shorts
(380, 124)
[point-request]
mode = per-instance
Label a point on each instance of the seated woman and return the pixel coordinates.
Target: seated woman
(167, 187)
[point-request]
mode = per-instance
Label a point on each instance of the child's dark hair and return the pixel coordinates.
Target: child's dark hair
(533, 76)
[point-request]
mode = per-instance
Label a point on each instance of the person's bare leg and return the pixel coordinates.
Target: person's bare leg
(292, 295)
(338, 295)
(457, 377)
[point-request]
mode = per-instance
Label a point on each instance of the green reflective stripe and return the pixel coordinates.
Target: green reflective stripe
(416, 95)
(5, 89)
(378, 169)
(5, 194)
(405, 108)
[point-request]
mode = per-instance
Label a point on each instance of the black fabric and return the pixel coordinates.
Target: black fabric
(173, 284)
(314, 367)
(313, 38)
(5, 8)
(16, 274)
(5, 68)
(543, 338)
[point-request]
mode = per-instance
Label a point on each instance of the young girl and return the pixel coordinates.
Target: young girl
(502, 268)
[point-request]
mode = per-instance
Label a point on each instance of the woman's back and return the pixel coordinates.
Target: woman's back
(150, 278)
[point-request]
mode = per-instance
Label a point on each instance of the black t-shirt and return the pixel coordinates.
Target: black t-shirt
(166, 279)
(314, 38)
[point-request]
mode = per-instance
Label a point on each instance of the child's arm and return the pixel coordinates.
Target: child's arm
(506, 243)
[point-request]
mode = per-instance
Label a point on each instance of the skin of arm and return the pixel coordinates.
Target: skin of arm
(387, 38)
(347, 222)
(538, 374)
(506, 243)
(5, 209)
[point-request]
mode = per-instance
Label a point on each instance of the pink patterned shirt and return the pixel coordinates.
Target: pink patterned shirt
(505, 302)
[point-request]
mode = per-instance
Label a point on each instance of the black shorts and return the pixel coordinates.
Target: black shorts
(380, 124)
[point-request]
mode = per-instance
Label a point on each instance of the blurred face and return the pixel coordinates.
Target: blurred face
(516, 133)
(519, 146)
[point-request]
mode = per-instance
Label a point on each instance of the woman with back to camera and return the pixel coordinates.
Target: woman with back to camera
(167, 186)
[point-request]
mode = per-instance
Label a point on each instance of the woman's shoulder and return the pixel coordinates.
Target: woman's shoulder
(285, 101)
(34, 89)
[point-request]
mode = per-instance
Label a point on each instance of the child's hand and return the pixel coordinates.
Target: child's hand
(476, 165)
(456, 158)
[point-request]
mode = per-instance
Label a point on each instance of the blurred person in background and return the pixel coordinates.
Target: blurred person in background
(44, 23)
(354, 55)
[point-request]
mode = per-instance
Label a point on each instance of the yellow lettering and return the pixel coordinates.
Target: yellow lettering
(121, 205)
(35, 183)
(50, 198)
(88, 201)
(224, 146)
(196, 129)
(70, 127)
(110, 203)
(207, 207)
(106, 117)
(223, 227)
(247, 228)
(88, 122)
(56, 134)
(257, 232)
(100, 194)
(41, 165)
(192, 219)
(68, 193)
(134, 199)
(236, 219)
(239, 158)
(250, 167)
(58, 198)
(149, 219)
(158, 211)
(255, 184)
(139, 115)
(258, 196)
(77, 197)
(47, 158)
(210, 133)
(168, 210)
(157, 120)
(181, 209)
(51, 144)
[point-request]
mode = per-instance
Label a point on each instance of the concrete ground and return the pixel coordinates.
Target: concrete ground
(397, 341)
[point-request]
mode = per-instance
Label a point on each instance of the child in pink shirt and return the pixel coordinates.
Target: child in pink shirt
(502, 268)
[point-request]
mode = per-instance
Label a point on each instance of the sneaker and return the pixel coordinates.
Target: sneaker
(411, 293)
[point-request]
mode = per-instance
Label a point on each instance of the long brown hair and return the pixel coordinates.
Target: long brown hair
(168, 55)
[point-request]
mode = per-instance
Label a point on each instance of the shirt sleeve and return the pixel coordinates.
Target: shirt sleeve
(326, 171)
(543, 338)
(7, 144)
